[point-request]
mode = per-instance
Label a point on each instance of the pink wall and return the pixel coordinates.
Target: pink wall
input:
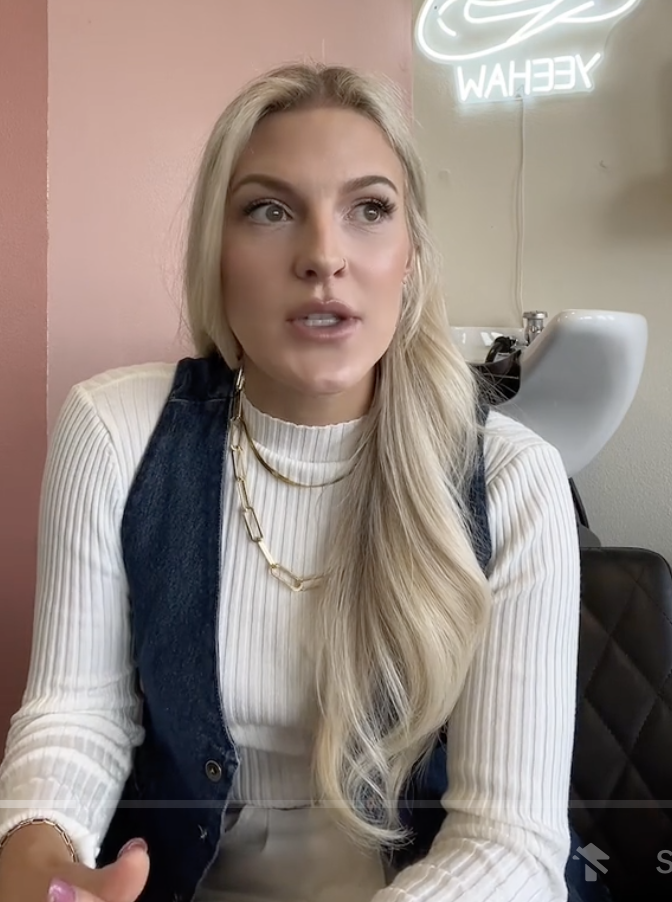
(134, 89)
(23, 325)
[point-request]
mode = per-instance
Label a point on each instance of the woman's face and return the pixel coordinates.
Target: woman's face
(314, 256)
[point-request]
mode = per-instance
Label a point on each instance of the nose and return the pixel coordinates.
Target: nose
(320, 254)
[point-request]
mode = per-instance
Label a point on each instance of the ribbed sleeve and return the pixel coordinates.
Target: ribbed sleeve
(69, 747)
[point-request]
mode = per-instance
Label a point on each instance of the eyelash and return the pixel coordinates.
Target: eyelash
(386, 207)
(262, 202)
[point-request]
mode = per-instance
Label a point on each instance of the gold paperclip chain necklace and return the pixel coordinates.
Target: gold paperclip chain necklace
(252, 525)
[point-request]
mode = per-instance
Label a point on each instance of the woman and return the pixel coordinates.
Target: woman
(270, 577)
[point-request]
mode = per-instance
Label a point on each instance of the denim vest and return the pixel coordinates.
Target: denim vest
(171, 536)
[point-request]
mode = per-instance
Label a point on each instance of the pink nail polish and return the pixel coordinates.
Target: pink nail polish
(59, 891)
(137, 843)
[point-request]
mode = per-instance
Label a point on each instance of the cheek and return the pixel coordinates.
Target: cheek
(381, 285)
(251, 268)
(247, 286)
(239, 284)
(238, 265)
(384, 262)
(382, 289)
(385, 274)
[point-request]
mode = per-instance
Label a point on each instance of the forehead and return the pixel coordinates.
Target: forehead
(324, 145)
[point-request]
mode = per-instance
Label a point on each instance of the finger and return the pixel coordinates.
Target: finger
(60, 891)
(125, 879)
(122, 881)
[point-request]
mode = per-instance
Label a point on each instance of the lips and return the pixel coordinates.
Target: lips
(325, 322)
(323, 308)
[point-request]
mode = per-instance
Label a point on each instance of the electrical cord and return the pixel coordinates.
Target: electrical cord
(520, 215)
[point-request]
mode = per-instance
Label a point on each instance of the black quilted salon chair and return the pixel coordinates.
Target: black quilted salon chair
(621, 796)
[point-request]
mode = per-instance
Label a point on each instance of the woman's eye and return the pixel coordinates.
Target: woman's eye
(373, 211)
(267, 212)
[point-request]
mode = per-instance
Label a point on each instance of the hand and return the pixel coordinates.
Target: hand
(40, 880)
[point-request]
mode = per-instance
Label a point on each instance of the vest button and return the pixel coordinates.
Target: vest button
(213, 771)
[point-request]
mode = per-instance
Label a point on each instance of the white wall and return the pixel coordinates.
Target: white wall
(598, 227)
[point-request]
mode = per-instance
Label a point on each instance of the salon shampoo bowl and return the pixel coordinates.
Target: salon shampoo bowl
(578, 378)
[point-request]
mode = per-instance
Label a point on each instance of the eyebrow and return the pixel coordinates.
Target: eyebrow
(276, 184)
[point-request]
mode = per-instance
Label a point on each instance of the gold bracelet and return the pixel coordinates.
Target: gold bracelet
(30, 821)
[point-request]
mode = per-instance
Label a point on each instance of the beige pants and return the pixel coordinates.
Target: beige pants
(295, 855)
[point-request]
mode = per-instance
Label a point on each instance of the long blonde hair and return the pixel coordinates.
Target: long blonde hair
(405, 603)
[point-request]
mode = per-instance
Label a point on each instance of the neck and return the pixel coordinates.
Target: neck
(306, 409)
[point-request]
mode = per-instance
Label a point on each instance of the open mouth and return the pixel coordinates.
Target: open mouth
(324, 327)
(321, 320)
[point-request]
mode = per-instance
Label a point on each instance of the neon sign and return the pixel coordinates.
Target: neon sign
(503, 49)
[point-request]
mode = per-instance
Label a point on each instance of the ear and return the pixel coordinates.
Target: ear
(410, 260)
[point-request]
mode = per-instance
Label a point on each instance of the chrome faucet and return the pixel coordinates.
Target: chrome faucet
(534, 321)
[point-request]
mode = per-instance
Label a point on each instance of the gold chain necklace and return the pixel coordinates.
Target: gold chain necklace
(250, 518)
(265, 464)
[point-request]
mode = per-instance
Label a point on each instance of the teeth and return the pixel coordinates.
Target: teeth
(321, 319)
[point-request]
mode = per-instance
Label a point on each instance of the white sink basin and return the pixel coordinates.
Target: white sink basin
(578, 378)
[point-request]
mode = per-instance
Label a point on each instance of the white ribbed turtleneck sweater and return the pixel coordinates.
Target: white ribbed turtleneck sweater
(70, 746)
(271, 707)
(267, 675)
